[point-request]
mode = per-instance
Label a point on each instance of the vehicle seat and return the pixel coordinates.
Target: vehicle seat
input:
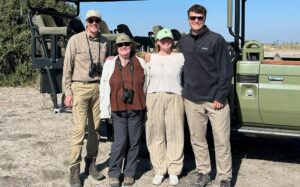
(156, 29)
(104, 28)
(176, 34)
(76, 26)
(47, 25)
(122, 28)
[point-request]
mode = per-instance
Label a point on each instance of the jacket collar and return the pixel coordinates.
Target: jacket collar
(202, 31)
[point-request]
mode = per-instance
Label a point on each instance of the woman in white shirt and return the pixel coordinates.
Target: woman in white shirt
(165, 110)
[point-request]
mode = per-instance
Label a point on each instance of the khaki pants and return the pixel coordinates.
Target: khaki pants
(197, 117)
(165, 132)
(86, 105)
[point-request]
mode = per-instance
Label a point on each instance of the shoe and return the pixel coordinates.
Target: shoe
(74, 176)
(225, 183)
(202, 180)
(114, 182)
(90, 169)
(174, 181)
(157, 179)
(128, 181)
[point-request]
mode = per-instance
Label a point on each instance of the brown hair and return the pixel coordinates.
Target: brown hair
(132, 50)
(157, 48)
(198, 9)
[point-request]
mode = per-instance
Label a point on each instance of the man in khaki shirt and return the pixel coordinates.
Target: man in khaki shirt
(83, 62)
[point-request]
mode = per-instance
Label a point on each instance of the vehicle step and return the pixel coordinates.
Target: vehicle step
(268, 131)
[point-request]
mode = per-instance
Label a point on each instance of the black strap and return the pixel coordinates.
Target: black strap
(131, 68)
(91, 57)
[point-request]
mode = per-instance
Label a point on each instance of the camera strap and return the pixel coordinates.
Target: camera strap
(91, 57)
(131, 68)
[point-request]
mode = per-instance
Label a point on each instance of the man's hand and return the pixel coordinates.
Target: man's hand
(217, 105)
(109, 58)
(69, 101)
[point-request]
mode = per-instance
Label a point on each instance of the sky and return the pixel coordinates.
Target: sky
(267, 21)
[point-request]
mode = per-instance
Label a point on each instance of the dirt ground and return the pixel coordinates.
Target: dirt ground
(34, 146)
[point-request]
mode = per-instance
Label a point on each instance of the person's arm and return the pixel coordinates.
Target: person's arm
(105, 89)
(145, 66)
(69, 61)
(147, 57)
(224, 72)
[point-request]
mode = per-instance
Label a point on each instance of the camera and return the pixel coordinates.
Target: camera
(95, 70)
(128, 96)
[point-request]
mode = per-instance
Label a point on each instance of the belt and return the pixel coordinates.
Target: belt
(89, 82)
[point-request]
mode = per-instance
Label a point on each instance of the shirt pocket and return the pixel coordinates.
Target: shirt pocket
(83, 55)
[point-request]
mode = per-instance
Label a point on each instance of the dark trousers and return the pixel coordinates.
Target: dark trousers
(127, 132)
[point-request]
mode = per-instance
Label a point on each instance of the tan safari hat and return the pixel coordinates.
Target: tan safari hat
(122, 39)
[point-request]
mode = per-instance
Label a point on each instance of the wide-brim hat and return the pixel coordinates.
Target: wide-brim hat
(122, 39)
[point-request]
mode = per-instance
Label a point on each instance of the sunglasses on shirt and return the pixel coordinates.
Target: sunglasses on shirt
(123, 44)
(92, 20)
(193, 18)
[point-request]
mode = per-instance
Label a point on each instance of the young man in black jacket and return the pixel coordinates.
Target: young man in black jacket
(207, 81)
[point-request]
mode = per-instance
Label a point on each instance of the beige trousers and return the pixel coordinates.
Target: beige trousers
(86, 116)
(165, 132)
(198, 115)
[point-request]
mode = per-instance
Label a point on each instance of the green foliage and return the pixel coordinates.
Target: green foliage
(23, 75)
(15, 41)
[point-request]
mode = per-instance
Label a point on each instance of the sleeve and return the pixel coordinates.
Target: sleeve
(145, 66)
(224, 71)
(105, 91)
(69, 62)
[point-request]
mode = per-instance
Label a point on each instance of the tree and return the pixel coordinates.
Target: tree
(15, 41)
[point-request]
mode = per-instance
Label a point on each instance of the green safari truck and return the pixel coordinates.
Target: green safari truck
(265, 99)
(267, 94)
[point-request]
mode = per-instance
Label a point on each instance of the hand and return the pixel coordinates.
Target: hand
(147, 57)
(109, 58)
(217, 105)
(69, 101)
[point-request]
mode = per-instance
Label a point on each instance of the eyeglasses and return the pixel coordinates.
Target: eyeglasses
(193, 18)
(123, 44)
(92, 20)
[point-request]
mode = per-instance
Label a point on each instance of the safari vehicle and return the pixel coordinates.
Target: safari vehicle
(51, 27)
(265, 96)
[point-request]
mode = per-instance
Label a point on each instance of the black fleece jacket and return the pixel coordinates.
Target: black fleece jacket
(207, 68)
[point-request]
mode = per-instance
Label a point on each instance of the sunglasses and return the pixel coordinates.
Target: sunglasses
(92, 20)
(193, 18)
(126, 44)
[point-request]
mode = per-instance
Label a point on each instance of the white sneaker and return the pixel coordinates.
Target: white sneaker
(174, 181)
(157, 179)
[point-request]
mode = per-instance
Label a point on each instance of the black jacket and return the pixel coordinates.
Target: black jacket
(207, 68)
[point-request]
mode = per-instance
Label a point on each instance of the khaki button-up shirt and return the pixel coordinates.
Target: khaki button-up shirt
(77, 58)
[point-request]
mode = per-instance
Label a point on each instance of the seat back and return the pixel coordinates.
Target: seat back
(104, 28)
(122, 28)
(156, 29)
(176, 34)
(47, 25)
(44, 21)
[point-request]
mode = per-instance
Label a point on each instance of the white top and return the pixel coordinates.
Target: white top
(108, 69)
(164, 73)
